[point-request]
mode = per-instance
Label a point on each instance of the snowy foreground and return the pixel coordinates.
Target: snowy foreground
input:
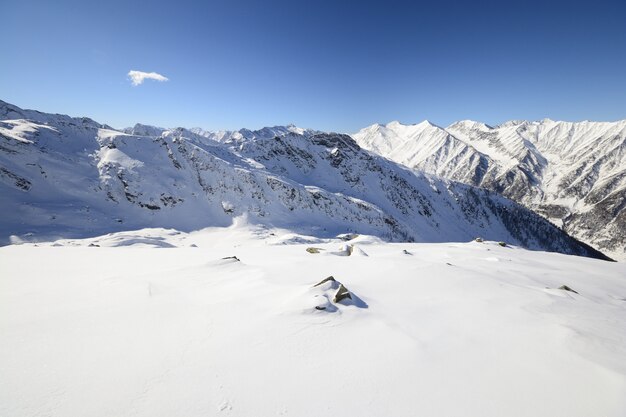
(156, 323)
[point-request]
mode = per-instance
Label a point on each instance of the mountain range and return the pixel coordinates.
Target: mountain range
(74, 177)
(573, 174)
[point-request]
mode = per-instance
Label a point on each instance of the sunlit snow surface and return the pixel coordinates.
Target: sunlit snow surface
(156, 323)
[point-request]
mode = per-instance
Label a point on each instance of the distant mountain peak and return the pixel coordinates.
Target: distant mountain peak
(65, 179)
(144, 130)
(395, 124)
(470, 125)
(570, 172)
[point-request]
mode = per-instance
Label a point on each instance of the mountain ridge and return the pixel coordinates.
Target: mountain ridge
(572, 173)
(72, 179)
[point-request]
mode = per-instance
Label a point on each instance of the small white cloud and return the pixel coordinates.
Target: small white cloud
(137, 77)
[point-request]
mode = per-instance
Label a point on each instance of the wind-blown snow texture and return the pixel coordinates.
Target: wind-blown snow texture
(63, 176)
(448, 329)
(574, 174)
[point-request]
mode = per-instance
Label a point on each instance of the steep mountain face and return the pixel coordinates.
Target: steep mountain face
(61, 176)
(574, 174)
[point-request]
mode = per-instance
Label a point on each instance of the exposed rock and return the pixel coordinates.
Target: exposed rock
(342, 294)
(345, 250)
(330, 278)
(340, 291)
(347, 236)
(566, 288)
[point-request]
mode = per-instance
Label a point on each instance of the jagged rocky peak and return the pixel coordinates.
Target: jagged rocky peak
(573, 173)
(470, 125)
(512, 123)
(424, 124)
(144, 130)
(11, 112)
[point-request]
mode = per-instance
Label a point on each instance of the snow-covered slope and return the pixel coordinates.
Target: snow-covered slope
(73, 177)
(464, 329)
(572, 173)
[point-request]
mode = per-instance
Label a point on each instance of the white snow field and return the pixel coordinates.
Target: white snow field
(156, 323)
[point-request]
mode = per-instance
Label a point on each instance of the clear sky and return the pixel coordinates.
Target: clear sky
(329, 65)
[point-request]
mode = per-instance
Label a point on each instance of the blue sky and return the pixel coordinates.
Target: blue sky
(328, 65)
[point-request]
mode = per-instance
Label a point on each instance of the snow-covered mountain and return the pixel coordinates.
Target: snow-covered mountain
(62, 176)
(574, 174)
(221, 135)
